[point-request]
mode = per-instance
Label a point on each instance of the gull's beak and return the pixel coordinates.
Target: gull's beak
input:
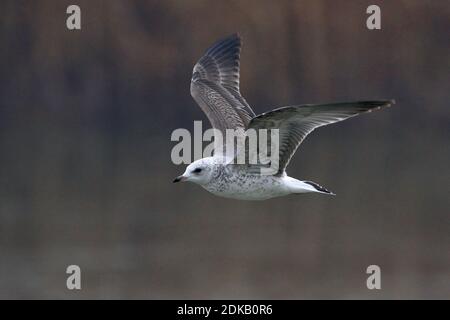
(179, 179)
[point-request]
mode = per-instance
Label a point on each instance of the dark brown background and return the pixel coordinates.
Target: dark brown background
(85, 170)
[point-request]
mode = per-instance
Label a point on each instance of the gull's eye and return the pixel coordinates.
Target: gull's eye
(197, 170)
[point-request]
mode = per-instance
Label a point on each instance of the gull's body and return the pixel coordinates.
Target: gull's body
(215, 87)
(234, 181)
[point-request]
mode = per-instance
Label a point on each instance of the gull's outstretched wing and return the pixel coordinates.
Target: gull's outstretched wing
(215, 86)
(296, 122)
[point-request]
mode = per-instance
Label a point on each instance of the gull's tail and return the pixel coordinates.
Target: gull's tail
(297, 186)
(319, 188)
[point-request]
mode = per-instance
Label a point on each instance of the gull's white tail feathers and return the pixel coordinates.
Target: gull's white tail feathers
(297, 186)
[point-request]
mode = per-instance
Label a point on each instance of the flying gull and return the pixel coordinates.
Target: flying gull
(215, 88)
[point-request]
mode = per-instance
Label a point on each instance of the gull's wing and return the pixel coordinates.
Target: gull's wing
(296, 122)
(215, 86)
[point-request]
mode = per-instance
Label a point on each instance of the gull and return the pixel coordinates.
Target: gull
(215, 88)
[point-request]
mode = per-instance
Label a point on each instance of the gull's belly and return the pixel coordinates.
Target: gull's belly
(248, 187)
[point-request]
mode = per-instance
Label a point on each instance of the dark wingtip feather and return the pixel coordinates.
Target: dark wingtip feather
(232, 39)
(377, 104)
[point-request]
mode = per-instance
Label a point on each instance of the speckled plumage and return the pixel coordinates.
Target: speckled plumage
(215, 88)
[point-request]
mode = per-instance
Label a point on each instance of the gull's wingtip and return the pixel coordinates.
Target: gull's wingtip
(380, 103)
(233, 36)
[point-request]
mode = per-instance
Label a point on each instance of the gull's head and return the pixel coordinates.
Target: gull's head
(199, 172)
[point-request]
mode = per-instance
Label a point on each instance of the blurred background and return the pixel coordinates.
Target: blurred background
(86, 175)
